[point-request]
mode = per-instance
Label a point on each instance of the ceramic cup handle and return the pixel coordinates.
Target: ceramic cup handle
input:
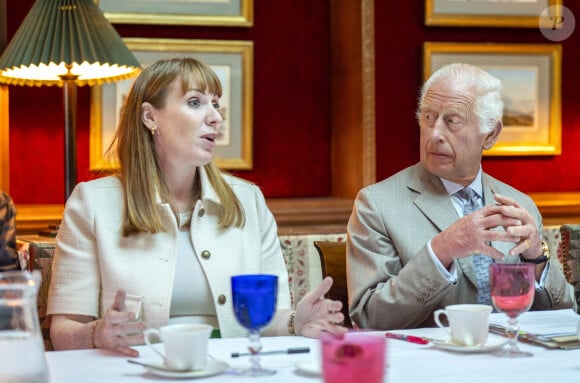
(147, 334)
(436, 316)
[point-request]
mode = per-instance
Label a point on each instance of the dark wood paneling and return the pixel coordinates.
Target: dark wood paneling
(352, 96)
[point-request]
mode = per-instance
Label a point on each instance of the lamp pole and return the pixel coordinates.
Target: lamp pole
(70, 131)
(70, 33)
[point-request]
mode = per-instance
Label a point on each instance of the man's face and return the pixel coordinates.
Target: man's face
(451, 141)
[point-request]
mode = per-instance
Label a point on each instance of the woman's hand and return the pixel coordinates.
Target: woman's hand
(315, 314)
(119, 329)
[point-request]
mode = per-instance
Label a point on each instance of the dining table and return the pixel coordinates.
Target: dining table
(406, 362)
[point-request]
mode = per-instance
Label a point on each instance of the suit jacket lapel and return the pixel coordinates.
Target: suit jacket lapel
(432, 198)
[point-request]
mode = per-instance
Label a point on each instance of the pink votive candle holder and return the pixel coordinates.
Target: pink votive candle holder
(356, 357)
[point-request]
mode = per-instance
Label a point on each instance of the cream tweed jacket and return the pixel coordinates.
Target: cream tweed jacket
(92, 259)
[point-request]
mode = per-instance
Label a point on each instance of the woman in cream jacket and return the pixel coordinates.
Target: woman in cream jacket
(159, 241)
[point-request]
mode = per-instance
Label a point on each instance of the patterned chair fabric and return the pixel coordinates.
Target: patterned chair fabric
(570, 254)
(40, 250)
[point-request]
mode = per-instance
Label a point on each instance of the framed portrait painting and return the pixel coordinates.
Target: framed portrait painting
(531, 90)
(493, 13)
(238, 13)
(233, 63)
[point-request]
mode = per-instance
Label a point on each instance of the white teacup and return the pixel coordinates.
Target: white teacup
(185, 345)
(468, 323)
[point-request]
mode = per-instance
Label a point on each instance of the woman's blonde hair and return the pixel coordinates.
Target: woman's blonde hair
(139, 169)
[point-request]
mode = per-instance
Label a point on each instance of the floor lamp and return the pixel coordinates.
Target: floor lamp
(67, 43)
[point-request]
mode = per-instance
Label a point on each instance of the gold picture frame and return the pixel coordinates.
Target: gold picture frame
(236, 13)
(531, 77)
(231, 60)
(485, 13)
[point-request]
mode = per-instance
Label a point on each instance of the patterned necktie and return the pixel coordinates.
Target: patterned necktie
(480, 262)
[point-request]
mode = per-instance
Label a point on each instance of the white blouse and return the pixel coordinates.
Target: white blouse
(191, 300)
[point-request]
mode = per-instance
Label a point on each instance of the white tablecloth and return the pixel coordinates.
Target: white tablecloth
(407, 362)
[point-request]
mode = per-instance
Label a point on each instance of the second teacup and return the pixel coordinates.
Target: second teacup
(185, 345)
(468, 323)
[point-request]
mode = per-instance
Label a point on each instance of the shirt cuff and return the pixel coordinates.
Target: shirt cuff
(540, 285)
(451, 274)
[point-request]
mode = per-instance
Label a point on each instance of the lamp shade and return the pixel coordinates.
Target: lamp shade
(66, 37)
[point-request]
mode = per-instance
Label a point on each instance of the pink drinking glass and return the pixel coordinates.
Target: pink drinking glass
(512, 293)
(356, 357)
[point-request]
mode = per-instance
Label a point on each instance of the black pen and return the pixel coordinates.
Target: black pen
(292, 350)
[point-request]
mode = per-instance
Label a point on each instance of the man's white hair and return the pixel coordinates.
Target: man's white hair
(488, 103)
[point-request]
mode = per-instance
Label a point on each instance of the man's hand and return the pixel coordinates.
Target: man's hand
(473, 233)
(524, 232)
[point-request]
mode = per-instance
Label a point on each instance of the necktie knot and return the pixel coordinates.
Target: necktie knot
(466, 194)
(470, 200)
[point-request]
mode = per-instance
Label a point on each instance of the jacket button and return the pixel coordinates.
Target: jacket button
(222, 299)
(205, 254)
(201, 212)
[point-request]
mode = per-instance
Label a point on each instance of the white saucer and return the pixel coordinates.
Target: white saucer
(310, 368)
(214, 367)
(493, 343)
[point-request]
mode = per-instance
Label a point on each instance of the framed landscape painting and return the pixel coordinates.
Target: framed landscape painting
(231, 60)
(237, 13)
(531, 79)
(491, 13)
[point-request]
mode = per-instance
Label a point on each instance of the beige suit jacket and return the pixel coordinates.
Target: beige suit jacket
(393, 282)
(92, 259)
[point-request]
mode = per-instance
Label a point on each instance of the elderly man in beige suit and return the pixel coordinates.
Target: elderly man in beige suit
(414, 246)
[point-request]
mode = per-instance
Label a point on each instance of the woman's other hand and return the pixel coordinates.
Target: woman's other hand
(315, 314)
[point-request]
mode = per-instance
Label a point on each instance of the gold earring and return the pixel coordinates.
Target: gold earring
(153, 130)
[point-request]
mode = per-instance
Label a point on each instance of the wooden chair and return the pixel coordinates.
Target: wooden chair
(333, 263)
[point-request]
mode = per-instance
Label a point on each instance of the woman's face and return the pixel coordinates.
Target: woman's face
(187, 126)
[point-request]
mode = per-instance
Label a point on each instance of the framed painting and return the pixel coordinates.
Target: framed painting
(233, 63)
(492, 13)
(531, 78)
(239, 13)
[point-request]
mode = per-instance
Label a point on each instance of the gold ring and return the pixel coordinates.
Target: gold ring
(527, 244)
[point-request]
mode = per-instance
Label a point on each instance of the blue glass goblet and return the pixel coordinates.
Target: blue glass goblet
(254, 300)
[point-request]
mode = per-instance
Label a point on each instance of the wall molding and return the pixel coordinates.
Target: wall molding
(296, 216)
(558, 208)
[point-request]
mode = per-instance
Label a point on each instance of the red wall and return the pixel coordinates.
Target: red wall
(291, 102)
(291, 105)
(400, 33)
